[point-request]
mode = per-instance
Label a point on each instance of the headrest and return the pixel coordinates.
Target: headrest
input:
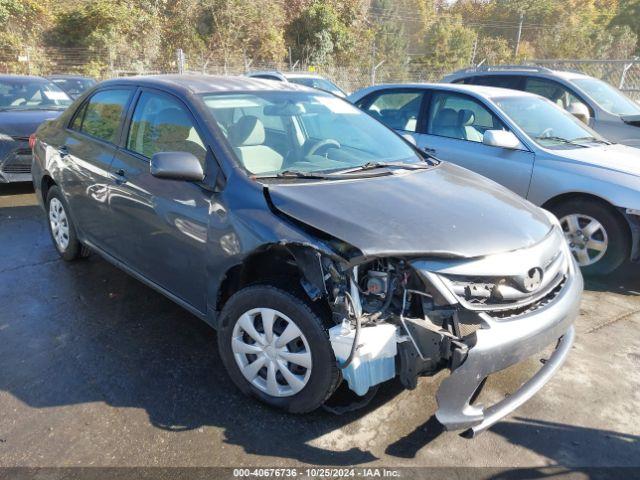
(173, 125)
(447, 117)
(466, 117)
(247, 131)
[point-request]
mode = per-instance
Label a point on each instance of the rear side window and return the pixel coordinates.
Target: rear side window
(551, 90)
(102, 114)
(502, 81)
(162, 124)
(398, 110)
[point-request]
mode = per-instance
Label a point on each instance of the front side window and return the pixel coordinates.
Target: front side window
(398, 110)
(321, 133)
(609, 98)
(546, 124)
(162, 124)
(458, 116)
(103, 114)
(27, 94)
(551, 90)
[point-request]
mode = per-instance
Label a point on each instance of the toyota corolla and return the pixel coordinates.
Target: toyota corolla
(321, 245)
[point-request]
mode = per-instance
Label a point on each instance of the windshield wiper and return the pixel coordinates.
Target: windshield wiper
(299, 174)
(562, 140)
(376, 165)
(592, 140)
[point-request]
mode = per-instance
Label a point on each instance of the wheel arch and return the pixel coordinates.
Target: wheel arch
(632, 231)
(46, 182)
(286, 266)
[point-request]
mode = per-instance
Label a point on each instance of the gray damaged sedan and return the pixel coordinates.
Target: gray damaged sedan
(322, 246)
(533, 147)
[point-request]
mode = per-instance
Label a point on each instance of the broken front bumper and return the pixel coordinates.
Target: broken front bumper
(502, 343)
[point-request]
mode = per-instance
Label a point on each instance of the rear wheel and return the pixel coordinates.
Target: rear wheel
(276, 348)
(596, 234)
(61, 227)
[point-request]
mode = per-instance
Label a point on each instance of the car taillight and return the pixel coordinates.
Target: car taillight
(32, 141)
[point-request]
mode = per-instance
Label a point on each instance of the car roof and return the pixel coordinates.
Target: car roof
(196, 84)
(527, 70)
(25, 78)
(477, 90)
(68, 77)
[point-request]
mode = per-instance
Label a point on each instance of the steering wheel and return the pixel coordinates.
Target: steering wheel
(329, 142)
(546, 132)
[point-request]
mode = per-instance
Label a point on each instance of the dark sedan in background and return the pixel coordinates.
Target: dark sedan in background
(25, 102)
(73, 85)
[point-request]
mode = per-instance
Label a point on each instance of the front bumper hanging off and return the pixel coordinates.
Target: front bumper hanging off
(503, 343)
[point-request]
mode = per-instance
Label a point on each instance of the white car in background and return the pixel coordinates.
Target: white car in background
(601, 106)
(533, 147)
(301, 78)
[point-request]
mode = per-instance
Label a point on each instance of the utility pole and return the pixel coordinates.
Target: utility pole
(519, 34)
(180, 60)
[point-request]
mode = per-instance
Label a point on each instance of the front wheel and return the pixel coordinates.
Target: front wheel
(276, 348)
(596, 234)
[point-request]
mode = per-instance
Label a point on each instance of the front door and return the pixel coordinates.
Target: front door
(162, 223)
(454, 132)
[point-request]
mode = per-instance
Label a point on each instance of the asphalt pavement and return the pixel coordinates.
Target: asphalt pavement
(97, 369)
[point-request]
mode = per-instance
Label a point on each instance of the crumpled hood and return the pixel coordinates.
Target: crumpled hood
(445, 211)
(616, 157)
(22, 123)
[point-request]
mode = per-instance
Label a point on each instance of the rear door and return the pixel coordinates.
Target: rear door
(88, 147)
(453, 131)
(162, 224)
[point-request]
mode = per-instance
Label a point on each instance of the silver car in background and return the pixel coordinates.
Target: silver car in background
(533, 147)
(600, 105)
(307, 79)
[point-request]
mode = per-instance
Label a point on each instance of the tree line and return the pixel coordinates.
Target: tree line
(404, 34)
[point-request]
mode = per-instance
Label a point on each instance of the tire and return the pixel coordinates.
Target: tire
(61, 227)
(613, 234)
(313, 385)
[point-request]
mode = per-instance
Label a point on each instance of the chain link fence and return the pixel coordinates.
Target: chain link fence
(101, 64)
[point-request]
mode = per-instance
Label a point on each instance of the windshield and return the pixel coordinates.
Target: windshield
(25, 94)
(276, 132)
(547, 124)
(319, 83)
(607, 97)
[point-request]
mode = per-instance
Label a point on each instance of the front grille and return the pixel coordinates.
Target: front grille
(515, 312)
(17, 168)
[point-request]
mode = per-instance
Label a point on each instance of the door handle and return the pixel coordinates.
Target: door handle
(430, 150)
(119, 176)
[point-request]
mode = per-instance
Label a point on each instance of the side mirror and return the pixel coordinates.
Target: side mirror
(176, 166)
(580, 111)
(502, 139)
(409, 138)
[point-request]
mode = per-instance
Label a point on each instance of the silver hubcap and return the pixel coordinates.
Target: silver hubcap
(271, 352)
(59, 224)
(586, 237)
